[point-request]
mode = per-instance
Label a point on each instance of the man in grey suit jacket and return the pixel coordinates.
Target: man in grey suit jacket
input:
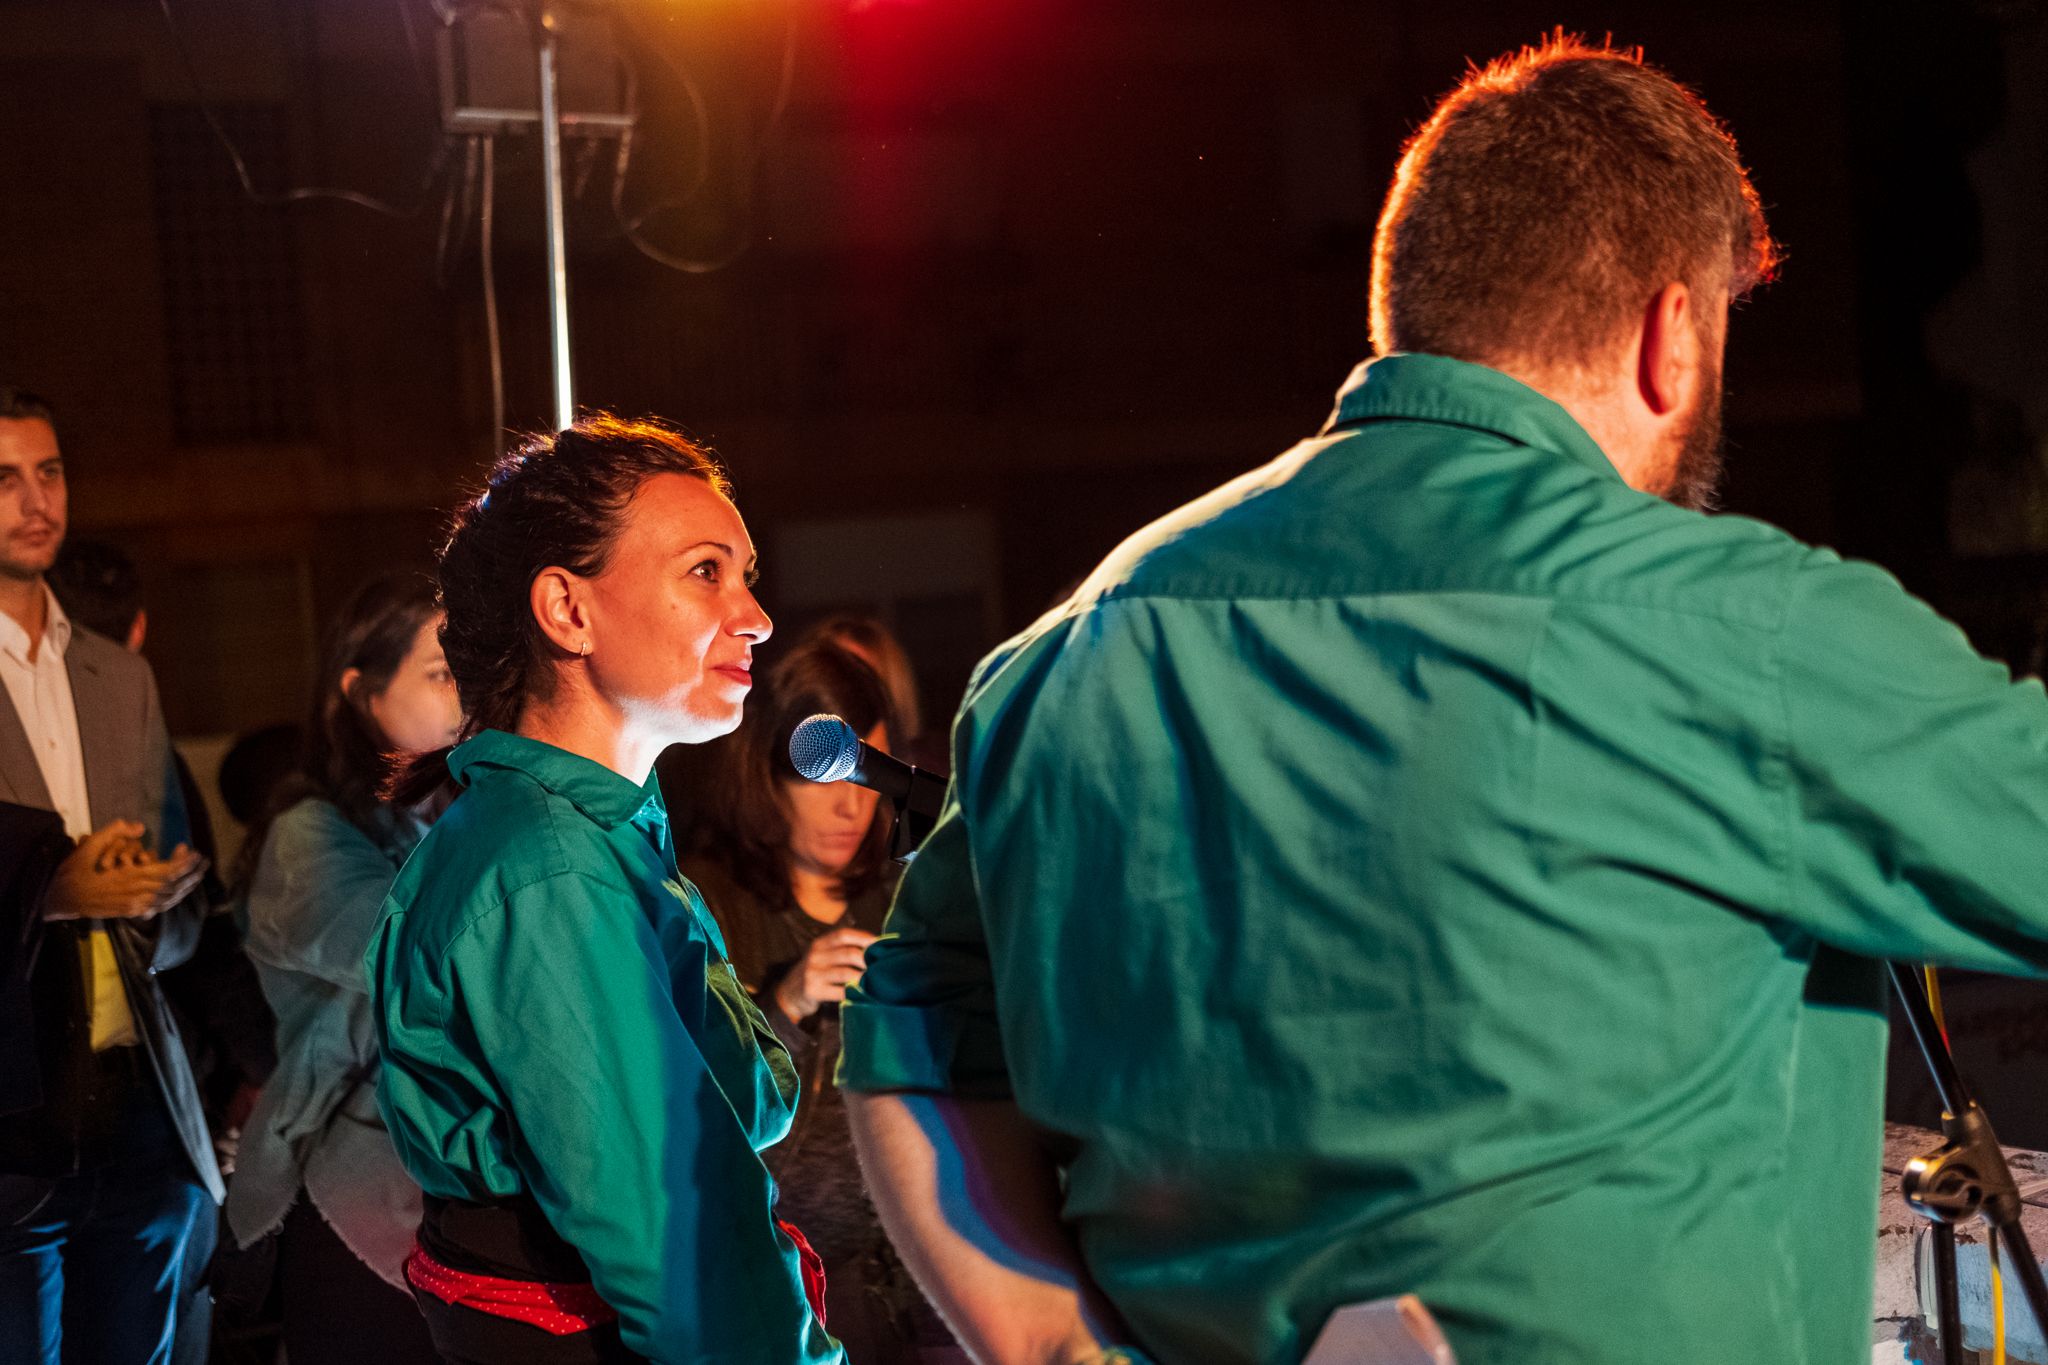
(105, 1162)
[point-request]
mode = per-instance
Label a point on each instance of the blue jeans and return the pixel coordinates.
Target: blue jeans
(194, 1345)
(92, 1264)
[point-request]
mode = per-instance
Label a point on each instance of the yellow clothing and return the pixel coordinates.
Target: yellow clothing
(113, 1023)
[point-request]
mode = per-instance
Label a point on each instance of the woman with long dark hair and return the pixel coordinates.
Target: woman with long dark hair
(571, 1071)
(799, 876)
(315, 1160)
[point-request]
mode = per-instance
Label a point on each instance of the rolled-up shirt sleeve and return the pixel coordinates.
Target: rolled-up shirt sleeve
(923, 1015)
(623, 1135)
(1918, 780)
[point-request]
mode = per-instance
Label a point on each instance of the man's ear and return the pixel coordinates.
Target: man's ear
(1668, 361)
(557, 601)
(138, 631)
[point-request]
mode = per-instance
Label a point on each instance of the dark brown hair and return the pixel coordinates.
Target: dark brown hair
(22, 406)
(344, 758)
(554, 502)
(98, 586)
(871, 640)
(746, 826)
(346, 754)
(1548, 198)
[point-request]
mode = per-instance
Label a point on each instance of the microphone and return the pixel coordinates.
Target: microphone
(825, 749)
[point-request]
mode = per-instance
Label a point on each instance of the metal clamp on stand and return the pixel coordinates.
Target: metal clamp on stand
(1966, 1177)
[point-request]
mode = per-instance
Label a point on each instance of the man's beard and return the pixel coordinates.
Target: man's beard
(27, 567)
(1696, 481)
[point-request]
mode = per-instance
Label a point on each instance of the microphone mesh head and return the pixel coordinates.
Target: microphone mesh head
(824, 749)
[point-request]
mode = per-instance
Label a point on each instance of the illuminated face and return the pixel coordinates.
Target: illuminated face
(418, 709)
(673, 620)
(829, 820)
(33, 501)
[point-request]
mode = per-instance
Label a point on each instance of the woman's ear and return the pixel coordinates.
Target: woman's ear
(351, 679)
(557, 601)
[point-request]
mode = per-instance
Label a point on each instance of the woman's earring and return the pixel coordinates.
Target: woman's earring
(583, 650)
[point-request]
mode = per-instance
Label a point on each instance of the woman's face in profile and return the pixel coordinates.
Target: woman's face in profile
(829, 820)
(418, 710)
(673, 620)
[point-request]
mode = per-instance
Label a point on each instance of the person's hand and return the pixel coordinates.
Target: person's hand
(240, 1105)
(119, 845)
(821, 976)
(110, 876)
(191, 865)
(227, 1143)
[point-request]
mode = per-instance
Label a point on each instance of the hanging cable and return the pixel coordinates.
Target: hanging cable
(298, 195)
(700, 114)
(630, 227)
(1997, 1304)
(458, 206)
(1934, 1000)
(488, 194)
(415, 51)
(446, 225)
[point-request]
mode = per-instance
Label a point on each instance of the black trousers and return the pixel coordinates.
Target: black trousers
(338, 1311)
(466, 1337)
(511, 1239)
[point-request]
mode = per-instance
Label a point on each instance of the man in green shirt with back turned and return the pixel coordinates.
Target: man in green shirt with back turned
(1443, 860)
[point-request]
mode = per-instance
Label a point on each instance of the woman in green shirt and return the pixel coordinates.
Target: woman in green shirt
(571, 1070)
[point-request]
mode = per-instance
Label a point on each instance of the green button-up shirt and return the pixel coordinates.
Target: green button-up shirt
(1426, 864)
(558, 1019)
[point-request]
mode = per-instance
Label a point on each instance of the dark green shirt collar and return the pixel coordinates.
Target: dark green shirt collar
(1435, 388)
(584, 783)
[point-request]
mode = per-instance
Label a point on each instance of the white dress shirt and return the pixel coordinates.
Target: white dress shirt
(39, 685)
(40, 688)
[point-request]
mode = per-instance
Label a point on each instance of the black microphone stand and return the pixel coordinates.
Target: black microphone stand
(912, 826)
(1965, 1178)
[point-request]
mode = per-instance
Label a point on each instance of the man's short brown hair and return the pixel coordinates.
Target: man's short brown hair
(1546, 201)
(22, 406)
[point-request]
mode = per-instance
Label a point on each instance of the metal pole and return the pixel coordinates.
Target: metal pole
(557, 235)
(1948, 1297)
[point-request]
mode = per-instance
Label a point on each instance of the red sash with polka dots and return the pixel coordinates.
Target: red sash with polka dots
(811, 1264)
(557, 1309)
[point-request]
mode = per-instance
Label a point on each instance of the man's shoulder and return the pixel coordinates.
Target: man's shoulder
(102, 663)
(91, 647)
(1650, 555)
(1426, 507)
(1232, 540)
(1412, 509)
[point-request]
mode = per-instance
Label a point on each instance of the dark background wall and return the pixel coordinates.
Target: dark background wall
(1006, 279)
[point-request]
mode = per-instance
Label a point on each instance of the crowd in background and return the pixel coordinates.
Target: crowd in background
(274, 1014)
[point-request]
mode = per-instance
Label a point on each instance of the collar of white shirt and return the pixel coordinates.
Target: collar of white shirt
(14, 641)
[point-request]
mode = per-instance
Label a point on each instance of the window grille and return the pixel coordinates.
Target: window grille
(235, 324)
